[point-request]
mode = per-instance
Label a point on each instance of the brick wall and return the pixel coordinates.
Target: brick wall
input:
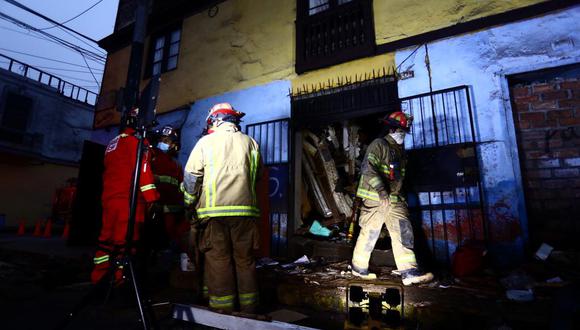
(547, 119)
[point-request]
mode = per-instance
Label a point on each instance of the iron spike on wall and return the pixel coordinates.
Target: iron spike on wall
(388, 73)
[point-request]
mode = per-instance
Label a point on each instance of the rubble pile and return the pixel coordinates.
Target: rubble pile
(331, 162)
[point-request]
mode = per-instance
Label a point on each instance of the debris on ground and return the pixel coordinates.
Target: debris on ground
(520, 295)
(544, 251)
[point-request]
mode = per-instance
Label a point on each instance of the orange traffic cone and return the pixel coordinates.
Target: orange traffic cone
(21, 228)
(37, 229)
(66, 231)
(48, 228)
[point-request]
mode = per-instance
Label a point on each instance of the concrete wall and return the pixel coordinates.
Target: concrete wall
(29, 175)
(482, 60)
(28, 187)
(399, 19)
(250, 43)
(64, 124)
(260, 103)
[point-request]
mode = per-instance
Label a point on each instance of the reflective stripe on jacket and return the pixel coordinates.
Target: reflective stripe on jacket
(382, 170)
(227, 164)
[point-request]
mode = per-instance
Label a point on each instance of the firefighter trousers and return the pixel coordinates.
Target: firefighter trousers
(396, 217)
(113, 236)
(228, 244)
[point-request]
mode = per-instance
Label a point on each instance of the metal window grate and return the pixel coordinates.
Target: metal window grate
(440, 118)
(327, 34)
(444, 186)
(274, 140)
(272, 136)
(353, 97)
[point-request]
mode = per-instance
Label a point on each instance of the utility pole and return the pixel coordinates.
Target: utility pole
(131, 90)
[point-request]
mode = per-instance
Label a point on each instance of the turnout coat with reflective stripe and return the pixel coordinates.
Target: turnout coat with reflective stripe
(120, 158)
(382, 170)
(226, 163)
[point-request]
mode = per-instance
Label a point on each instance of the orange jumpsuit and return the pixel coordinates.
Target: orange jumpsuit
(120, 159)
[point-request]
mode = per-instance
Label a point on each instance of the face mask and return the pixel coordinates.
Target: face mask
(399, 137)
(163, 146)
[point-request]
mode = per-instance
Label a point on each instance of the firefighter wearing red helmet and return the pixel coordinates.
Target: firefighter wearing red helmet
(120, 159)
(380, 188)
(220, 181)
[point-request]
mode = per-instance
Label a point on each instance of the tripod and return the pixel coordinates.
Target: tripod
(126, 258)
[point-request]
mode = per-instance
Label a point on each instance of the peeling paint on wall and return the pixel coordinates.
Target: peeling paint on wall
(480, 60)
(398, 19)
(260, 103)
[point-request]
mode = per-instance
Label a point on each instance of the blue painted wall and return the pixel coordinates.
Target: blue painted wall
(260, 103)
(481, 61)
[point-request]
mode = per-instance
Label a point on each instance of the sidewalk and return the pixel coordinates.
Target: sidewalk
(54, 247)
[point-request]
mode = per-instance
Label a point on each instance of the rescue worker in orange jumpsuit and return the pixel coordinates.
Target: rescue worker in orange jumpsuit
(120, 159)
(62, 202)
(220, 180)
(168, 178)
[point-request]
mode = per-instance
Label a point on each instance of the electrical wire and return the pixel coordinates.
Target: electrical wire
(44, 58)
(81, 40)
(94, 56)
(70, 77)
(88, 67)
(21, 6)
(406, 58)
(73, 18)
(33, 35)
(67, 44)
(67, 70)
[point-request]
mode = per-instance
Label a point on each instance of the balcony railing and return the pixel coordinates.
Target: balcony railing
(63, 87)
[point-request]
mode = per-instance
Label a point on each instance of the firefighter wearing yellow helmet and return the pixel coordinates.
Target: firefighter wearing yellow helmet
(220, 181)
(382, 173)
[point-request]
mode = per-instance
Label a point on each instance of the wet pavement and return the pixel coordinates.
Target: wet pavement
(41, 280)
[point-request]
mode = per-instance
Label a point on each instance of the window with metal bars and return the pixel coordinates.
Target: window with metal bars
(274, 140)
(329, 32)
(164, 52)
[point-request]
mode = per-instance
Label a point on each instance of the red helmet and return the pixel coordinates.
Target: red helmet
(224, 112)
(398, 119)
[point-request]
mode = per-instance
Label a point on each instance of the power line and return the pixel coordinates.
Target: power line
(81, 40)
(88, 67)
(70, 77)
(19, 23)
(68, 70)
(36, 36)
(21, 6)
(73, 18)
(44, 58)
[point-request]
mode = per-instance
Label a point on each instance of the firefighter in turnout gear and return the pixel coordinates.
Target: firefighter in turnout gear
(120, 159)
(168, 178)
(220, 180)
(382, 173)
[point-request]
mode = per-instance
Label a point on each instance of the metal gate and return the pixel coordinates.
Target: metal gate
(443, 181)
(274, 140)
